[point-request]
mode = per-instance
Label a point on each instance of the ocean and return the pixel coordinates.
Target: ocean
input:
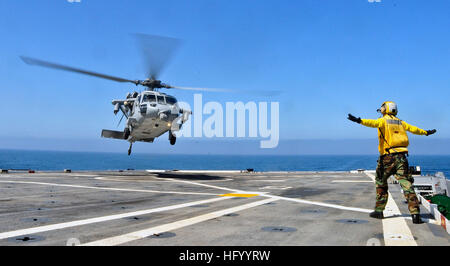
(58, 160)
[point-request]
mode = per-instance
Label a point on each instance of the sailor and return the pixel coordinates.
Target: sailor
(393, 143)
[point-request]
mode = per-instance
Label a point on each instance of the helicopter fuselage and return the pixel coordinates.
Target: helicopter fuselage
(149, 114)
(152, 115)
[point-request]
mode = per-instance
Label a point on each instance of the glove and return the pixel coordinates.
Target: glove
(431, 132)
(354, 119)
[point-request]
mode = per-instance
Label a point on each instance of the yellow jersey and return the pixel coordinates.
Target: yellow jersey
(392, 133)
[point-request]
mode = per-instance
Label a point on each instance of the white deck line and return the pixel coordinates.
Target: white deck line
(58, 226)
(117, 240)
(265, 194)
(107, 188)
(200, 184)
(395, 229)
(334, 206)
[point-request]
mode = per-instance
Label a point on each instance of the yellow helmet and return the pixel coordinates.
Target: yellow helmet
(389, 108)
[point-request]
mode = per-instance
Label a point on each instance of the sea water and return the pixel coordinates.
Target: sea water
(58, 160)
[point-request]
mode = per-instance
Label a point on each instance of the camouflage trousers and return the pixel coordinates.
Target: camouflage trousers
(395, 164)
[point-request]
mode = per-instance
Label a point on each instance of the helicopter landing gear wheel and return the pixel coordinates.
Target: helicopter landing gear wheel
(172, 138)
(126, 133)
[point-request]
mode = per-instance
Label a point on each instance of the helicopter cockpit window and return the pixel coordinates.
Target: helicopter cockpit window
(161, 100)
(171, 100)
(149, 98)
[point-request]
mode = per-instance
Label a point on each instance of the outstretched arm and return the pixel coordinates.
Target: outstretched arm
(416, 130)
(354, 119)
(366, 122)
(377, 123)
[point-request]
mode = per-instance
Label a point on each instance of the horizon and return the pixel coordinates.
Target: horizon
(188, 154)
(192, 146)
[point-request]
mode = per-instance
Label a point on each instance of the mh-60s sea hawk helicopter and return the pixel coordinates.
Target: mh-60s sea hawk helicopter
(149, 113)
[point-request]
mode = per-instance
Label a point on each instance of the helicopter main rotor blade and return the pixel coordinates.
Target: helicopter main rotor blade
(200, 89)
(248, 92)
(33, 61)
(157, 52)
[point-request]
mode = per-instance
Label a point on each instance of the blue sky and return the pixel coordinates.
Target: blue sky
(329, 58)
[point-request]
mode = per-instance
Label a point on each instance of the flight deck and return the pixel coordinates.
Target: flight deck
(204, 208)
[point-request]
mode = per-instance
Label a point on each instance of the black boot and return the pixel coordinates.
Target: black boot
(377, 215)
(416, 219)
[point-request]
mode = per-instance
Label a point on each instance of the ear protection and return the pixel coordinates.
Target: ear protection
(388, 108)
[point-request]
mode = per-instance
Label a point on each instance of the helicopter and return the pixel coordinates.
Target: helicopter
(149, 113)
